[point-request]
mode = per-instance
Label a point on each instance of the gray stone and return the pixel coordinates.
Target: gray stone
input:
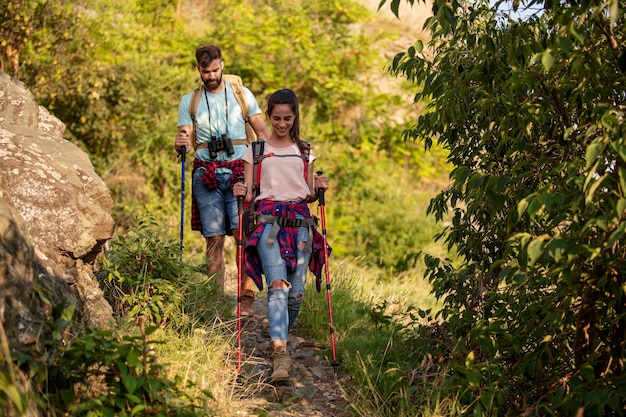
(55, 217)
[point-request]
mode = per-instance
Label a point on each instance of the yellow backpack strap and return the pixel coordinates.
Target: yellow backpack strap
(236, 83)
(193, 108)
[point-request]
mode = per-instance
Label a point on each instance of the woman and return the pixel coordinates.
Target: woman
(283, 249)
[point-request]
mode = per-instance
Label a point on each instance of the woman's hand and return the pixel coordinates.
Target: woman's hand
(321, 182)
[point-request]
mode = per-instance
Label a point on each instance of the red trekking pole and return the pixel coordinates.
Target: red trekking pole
(320, 196)
(239, 277)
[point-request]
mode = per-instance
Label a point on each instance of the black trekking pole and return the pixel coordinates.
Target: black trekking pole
(239, 276)
(320, 196)
(182, 153)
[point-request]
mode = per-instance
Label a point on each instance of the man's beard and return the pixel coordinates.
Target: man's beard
(212, 85)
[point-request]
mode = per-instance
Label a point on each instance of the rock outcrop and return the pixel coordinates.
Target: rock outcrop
(55, 217)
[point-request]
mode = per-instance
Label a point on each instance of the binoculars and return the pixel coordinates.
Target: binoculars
(220, 145)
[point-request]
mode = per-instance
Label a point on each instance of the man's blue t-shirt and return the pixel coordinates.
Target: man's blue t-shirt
(219, 121)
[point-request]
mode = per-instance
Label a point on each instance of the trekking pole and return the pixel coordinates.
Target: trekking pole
(239, 276)
(182, 153)
(320, 196)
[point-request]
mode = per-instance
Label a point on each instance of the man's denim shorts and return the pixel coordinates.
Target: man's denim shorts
(218, 207)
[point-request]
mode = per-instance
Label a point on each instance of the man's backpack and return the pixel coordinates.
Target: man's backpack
(236, 84)
(258, 148)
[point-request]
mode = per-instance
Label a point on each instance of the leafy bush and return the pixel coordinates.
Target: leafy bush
(100, 374)
(530, 110)
(95, 373)
(143, 276)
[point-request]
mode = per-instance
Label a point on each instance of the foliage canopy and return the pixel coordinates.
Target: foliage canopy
(114, 72)
(532, 112)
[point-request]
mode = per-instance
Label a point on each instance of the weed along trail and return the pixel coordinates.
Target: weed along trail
(314, 387)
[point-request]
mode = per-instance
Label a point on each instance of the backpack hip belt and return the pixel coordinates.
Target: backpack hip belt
(234, 142)
(278, 222)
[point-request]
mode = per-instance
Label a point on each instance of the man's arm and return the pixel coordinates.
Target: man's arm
(260, 128)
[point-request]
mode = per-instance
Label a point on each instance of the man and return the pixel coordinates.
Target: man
(219, 126)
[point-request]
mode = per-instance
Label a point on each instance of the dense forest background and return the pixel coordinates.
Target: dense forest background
(506, 124)
(114, 72)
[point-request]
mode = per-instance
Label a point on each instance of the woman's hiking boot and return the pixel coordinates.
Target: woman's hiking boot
(281, 363)
(247, 303)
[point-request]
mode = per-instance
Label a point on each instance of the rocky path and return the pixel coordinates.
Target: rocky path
(315, 388)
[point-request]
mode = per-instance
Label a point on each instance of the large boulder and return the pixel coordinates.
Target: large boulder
(55, 217)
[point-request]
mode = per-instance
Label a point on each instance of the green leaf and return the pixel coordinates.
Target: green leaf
(621, 172)
(565, 44)
(16, 397)
(620, 207)
(614, 12)
(535, 249)
(67, 395)
(620, 149)
(590, 193)
(133, 358)
(557, 249)
(136, 409)
(419, 45)
(592, 153)
(616, 235)
(522, 206)
(130, 382)
(486, 399)
(473, 377)
(547, 200)
(587, 372)
(547, 59)
(395, 5)
(89, 343)
(609, 120)
(133, 399)
(108, 412)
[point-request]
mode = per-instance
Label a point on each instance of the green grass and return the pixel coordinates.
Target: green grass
(373, 344)
(380, 327)
(378, 341)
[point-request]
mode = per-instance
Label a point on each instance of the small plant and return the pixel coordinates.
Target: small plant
(11, 395)
(100, 374)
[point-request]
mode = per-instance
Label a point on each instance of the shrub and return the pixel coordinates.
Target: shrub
(143, 275)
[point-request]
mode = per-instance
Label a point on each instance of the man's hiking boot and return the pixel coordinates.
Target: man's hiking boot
(247, 303)
(281, 363)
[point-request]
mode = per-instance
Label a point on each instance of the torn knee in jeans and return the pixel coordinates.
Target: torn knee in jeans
(294, 304)
(279, 283)
(295, 301)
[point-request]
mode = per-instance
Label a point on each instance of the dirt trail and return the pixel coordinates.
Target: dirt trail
(315, 388)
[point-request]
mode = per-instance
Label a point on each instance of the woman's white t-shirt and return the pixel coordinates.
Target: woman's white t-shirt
(283, 174)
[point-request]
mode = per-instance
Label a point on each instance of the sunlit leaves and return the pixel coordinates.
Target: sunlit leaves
(547, 59)
(532, 113)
